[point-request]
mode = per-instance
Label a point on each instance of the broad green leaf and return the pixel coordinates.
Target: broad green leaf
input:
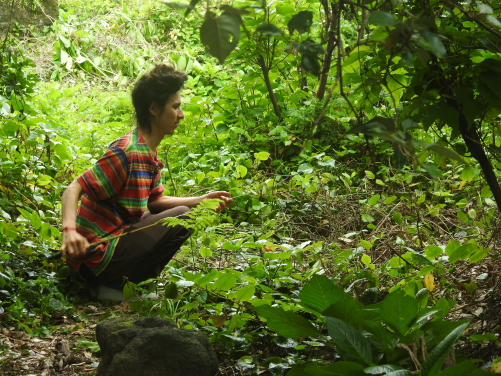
(493, 20)
(226, 281)
(205, 252)
(36, 222)
(242, 171)
(346, 308)
(367, 245)
(301, 22)
(432, 170)
(461, 252)
(381, 18)
(269, 30)
(370, 174)
(26, 214)
(319, 293)
(170, 291)
(207, 278)
(389, 200)
(231, 247)
(468, 174)
(432, 251)
(286, 323)
(436, 45)
(336, 369)
(402, 372)
(366, 260)
(305, 168)
(451, 246)
(449, 153)
(349, 340)
(441, 349)
(63, 152)
(397, 217)
(129, 291)
(374, 199)
(462, 216)
(485, 192)
(243, 294)
(310, 63)
(262, 156)
(221, 34)
(382, 369)
(466, 368)
(399, 311)
(177, 5)
(479, 254)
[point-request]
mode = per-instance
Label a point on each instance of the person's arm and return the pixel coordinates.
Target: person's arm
(166, 202)
(73, 243)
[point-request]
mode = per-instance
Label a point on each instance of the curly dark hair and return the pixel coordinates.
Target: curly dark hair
(155, 87)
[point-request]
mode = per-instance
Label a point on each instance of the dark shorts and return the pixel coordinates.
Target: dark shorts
(140, 255)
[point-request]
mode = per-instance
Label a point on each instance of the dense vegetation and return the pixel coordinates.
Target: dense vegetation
(360, 140)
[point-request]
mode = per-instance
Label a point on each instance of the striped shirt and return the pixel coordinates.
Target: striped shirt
(117, 190)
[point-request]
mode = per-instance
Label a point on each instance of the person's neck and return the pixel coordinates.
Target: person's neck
(151, 139)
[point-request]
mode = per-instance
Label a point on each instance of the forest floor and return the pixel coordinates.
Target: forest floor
(68, 349)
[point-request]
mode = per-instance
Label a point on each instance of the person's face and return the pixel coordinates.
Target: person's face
(166, 120)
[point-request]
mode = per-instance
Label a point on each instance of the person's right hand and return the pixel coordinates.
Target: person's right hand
(73, 244)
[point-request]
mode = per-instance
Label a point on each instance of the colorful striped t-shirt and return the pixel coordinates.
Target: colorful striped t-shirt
(117, 191)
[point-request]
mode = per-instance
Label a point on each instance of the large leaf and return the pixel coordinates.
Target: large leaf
(309, 51)
(399, 311)
(436, 45)
(346, 308)
(382, 369)
(221, 34)
(382, 18)
(449, 153)
(226, 282)
(335, 369)
(311, 64)
(466, 368)
(177, 5)
(301, 22)
(243, 294)
(441, 349)
(269, 30)
(319, 293)
(461, 252)
(349, 340)
(287, 323)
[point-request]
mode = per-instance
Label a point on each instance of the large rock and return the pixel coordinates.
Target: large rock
(152, 346)
(28, 13)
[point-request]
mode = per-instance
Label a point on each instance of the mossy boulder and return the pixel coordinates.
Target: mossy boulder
(152, 346)
(28, 13)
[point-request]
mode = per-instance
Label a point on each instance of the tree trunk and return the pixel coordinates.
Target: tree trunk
(266, 76)
(472, 140)
(331, 44)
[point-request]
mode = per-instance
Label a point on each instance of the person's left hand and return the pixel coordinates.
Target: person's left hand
(224, 198)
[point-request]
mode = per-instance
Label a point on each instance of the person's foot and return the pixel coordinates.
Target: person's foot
(107, 293)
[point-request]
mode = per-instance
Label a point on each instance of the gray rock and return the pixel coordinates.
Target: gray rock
(152, 346)
(28, 12)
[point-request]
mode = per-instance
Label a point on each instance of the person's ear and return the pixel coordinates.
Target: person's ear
(153, 109)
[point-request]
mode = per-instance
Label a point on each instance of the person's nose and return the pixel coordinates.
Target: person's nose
(180, 114)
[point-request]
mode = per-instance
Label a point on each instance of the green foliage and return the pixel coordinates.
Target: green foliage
(326, 240)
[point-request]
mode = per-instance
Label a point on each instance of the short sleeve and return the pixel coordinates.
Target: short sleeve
(106, 177)
(158, 188)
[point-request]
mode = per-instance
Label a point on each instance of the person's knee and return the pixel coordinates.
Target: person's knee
(182, 210)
